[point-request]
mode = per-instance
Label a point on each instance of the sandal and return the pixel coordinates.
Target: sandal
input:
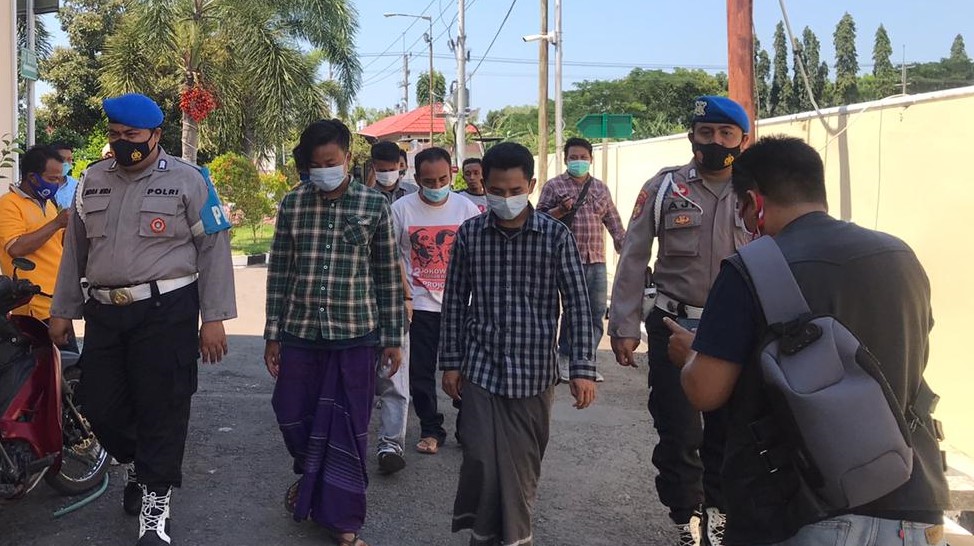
(291, 497)
(340, 539)
(428, 445)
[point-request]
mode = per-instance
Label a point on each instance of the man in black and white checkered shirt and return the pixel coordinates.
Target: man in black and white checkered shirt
(510, 270)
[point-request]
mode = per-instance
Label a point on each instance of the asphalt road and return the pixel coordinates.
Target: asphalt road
(596, 483)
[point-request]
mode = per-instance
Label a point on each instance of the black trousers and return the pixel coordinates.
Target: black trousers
(689, 454)
(424, 341)
(138, 373)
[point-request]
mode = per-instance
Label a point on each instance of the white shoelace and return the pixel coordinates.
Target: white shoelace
(155, 512)
(715, 526)
(690, 532)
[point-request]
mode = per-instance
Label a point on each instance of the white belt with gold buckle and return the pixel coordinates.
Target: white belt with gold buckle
(139, 292)
(673, 307)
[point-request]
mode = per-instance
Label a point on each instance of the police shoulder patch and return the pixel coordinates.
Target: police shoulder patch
(641, 199)
(212, 215)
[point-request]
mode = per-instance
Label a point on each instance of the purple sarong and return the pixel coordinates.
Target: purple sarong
(323, 401)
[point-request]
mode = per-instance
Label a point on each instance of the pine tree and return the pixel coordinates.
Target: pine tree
(780, 84)
(817, 73)
(846, 61)
(958, 53)
(883, 69)
(958, 67)
(882, 51)
(762, 72)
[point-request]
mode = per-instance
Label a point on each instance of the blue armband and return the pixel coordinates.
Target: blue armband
(212, 215)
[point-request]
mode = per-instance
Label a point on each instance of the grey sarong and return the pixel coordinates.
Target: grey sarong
(504, 440)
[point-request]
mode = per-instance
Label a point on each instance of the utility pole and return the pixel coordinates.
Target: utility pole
(32, 46)
(461, 105)
(559, 120)
(429, 40)
(903, 71)
(405, 83)
(740, 54)
(543, 95)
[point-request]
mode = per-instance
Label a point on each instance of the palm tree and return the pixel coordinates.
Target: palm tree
(247, 54)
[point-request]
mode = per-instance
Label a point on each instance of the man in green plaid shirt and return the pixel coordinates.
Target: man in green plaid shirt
(334, 306)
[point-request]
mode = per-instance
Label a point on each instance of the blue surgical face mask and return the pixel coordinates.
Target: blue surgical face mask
(43, 188)
(578, 167)
(66, 168)
(436, 195)
(327, 178)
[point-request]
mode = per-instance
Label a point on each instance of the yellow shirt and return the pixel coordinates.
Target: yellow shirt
(20, 214)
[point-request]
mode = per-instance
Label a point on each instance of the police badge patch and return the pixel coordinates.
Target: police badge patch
(700, 108)
(640, 203)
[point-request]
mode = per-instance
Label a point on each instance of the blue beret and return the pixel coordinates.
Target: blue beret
(709, 109)
(134, 110)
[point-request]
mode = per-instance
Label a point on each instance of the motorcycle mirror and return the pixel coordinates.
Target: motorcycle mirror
(24, 264)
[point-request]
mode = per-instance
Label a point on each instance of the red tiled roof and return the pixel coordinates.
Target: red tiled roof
(415, 123)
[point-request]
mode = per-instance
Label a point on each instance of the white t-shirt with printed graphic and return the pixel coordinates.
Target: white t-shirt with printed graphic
(425, 235)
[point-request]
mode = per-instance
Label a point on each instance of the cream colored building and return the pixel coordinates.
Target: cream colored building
(8, 77)
(900, 165)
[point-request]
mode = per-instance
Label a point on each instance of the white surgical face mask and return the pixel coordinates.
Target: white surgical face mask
(327, 178)
(388, 178)
(507, 208)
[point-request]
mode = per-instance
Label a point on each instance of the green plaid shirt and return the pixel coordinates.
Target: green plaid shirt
(334, 268)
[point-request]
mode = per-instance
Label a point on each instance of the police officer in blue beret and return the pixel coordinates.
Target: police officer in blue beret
(692, 211)
(150, 236)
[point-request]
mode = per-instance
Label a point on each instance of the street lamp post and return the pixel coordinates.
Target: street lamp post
(429, 40)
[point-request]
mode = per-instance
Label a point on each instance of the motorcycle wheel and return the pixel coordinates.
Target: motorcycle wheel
(84, 461)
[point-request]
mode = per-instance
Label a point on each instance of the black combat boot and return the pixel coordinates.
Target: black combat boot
(132, 497)
(154, 517)
(712, 527)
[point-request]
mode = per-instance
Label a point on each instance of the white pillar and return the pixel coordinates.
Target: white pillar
(8, 75)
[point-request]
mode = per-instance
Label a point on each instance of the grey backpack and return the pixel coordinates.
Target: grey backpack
(854, 444)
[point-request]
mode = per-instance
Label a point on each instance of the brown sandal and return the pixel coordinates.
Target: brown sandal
(291, 497)
(341, 541)
(428, 445)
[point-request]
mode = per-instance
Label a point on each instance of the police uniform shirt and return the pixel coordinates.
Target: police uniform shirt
(135, 227)
(697, 229)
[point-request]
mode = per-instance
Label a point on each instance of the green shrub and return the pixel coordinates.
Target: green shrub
(239, 185)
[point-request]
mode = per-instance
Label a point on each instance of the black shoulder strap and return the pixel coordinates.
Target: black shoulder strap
(582, 195)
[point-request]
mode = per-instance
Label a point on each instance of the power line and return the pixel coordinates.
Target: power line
(395, 40)
(388, 75)
(494, 39)
(442, 11)
(581, 64)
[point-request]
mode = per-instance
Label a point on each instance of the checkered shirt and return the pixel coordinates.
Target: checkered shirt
(597, 210)
(501, 306)
(333, 272)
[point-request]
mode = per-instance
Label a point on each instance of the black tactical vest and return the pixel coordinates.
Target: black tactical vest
(874, 284)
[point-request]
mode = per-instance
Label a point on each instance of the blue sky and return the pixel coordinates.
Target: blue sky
(605, 39)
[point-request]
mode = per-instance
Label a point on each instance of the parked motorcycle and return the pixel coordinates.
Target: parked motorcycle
(43, 433)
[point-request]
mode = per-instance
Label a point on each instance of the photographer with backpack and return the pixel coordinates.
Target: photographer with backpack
(839, 317)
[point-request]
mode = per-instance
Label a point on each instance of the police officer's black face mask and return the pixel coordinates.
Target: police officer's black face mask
(714, 156)
(128, 153)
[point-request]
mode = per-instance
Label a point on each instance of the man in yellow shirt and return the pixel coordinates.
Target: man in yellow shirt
(31, 226)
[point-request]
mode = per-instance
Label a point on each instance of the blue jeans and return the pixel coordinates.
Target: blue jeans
(595, 278)
(851, 530)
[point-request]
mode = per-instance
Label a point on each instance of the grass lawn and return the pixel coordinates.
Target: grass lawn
(242, 240)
